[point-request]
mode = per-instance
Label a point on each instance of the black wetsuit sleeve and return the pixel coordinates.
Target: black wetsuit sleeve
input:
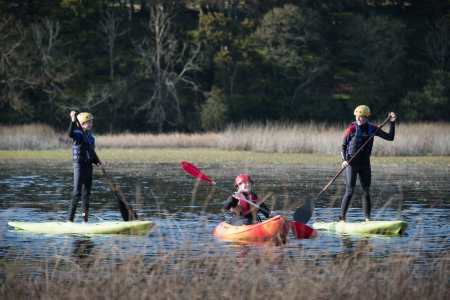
(387, 136)
(264, 210)
(72, 126)
(230, 202)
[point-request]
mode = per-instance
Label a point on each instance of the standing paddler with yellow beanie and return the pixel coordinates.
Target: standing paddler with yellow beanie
(83, 154)
(356, 134)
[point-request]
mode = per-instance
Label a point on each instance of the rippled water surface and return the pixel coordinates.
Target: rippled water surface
(186, 213)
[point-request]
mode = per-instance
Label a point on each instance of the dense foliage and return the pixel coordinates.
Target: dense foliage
(191, 65)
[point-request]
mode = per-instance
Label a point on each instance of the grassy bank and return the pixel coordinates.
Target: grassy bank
(269, 276)
(206, 155)
(411, 139)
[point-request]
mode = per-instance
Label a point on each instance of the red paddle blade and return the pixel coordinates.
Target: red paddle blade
(302, 231)
(195, 172)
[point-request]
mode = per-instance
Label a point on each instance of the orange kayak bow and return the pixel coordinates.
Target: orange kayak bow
(274, 229)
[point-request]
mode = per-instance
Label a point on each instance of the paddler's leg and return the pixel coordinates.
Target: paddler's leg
(76, 193)
(86, 192)
(350, 182)
(365, 178)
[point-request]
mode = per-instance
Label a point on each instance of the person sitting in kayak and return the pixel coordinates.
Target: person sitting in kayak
(240, 202)
(83, 154)
(354, 137)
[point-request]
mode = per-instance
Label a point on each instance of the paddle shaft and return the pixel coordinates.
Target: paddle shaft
(125, 208)
(351, 158)
(243, 199)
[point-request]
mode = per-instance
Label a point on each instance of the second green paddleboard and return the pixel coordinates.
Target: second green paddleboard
(395, 227)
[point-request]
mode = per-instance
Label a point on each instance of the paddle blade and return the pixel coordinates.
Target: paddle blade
(304, 213)
(302, 231)
(192, 170)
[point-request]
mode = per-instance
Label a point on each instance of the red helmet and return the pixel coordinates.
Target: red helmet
(242, 178)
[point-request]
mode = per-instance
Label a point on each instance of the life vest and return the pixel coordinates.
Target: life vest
(357, 135)
(244, 205)
(83, 147)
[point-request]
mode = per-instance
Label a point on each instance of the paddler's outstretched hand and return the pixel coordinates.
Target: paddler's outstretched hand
(73, 115)
(393, 116)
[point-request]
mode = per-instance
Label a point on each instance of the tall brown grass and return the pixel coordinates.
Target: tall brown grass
(33, 136)
(410, 139)
(182, 140)
(176, 275)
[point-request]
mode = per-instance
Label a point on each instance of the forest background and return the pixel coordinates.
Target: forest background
(199, 65)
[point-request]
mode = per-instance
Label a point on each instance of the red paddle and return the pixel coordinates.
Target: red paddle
(302, 231)
(195, 172)
(192, 170)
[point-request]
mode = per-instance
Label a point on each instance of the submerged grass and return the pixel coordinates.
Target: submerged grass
(177, 276)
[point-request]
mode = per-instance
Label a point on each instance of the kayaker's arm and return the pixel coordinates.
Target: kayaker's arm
(264, 209)
(230, 203)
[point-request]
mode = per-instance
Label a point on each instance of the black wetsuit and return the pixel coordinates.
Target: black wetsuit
(246, 216)
(354, 137)
(83, 153)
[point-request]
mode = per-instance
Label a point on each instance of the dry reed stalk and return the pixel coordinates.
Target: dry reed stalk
(253, 276)
(183, 140)
(411, 139)
(33, 136)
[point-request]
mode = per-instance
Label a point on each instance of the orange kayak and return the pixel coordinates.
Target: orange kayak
(274, 229)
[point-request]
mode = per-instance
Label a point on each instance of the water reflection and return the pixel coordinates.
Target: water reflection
(82, 248)
(351, 246)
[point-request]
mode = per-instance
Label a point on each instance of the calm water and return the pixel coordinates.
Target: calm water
(186, 214)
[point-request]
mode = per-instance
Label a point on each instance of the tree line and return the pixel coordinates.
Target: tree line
(192, 65)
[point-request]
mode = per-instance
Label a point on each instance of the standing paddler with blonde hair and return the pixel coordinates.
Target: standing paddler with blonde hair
(83, 154)
(356, 134)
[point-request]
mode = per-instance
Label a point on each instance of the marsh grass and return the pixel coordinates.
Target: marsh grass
(311, 138)
(177, 276)
(122, 157)
(410, 139)
(169, 140)
(33, 136)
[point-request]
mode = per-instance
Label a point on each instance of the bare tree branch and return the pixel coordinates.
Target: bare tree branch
(167, 65)
(110, 27)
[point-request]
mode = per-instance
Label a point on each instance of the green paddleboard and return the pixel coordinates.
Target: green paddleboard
(105, 227)
(396, 227)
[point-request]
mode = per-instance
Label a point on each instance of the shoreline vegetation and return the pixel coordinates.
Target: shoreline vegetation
(312, 139)
(175, 276)
(115, 156)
